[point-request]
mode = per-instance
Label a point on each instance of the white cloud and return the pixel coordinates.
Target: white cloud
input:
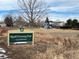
(63, 9)
(7, 4)
(5, 0)
(49, 1)
(63, 4)
(60, 8)
(67, 6)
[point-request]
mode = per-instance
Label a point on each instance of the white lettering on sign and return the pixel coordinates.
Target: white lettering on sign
(20, 36)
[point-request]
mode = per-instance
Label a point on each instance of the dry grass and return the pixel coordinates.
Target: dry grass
(49, 44)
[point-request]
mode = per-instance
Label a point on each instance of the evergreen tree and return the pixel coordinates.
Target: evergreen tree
(75, 23)
(47, 20)
(69, 23)
(8, 21)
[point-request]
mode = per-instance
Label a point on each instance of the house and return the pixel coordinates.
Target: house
(54, 24)
(2, 24)
(58, 23)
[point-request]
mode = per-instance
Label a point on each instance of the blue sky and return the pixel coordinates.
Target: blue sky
(58, 10)
(64, 9)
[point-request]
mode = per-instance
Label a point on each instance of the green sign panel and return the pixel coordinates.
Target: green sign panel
(20, 38)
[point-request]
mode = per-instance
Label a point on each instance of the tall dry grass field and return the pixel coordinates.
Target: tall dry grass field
(48, 44)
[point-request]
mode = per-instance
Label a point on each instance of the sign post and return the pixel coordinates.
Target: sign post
(21, 28)
(20, 38)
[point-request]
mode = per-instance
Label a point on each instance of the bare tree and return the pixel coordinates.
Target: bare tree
(20, 22)
(33, 10)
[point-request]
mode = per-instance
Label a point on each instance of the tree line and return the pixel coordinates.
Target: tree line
(9, 21)
(71, 24)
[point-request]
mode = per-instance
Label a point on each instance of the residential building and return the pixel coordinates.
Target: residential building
(2, 24)
(54, 24)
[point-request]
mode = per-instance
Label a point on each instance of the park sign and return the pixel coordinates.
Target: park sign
(16, 37)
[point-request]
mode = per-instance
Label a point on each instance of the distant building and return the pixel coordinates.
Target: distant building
(2, 24)
(59, 23)
(54, 24)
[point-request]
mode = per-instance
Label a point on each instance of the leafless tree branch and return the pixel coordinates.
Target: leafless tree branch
(32, 9)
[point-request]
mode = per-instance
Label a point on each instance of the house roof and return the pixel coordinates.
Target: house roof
(2, 23)
(56, 21)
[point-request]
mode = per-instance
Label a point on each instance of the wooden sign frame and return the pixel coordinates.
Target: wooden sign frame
(17, 31)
